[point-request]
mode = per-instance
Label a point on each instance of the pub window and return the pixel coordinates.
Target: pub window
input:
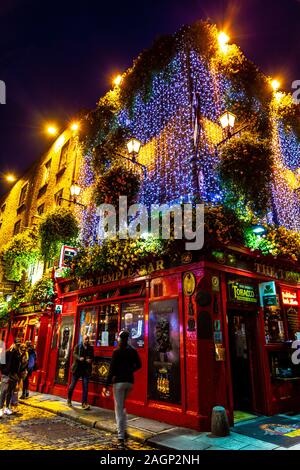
(132, 319)
(46, 172)
(108, 325)
(40, 209)
(64, 156)
(58, 196)
(17, 227)
(274, 325)
(23, 195)
(88, 324)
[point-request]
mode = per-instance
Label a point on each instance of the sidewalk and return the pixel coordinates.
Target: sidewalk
(154, 433)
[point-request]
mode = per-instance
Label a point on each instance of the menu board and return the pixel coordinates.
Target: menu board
(164, 383)
(100, 369)
(293, 321)
(132, 319)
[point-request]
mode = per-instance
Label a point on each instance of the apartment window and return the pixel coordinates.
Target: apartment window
(40, 209)
(17, 227)
(46, 175)
(58, 196)
(63, 156)
(23, 195)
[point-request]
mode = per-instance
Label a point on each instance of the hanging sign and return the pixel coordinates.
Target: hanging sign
(289, 297)
(67, 254)
(267, 294)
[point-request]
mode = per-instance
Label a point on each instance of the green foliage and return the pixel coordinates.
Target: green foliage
(116, 181)
(43, 291)
(59, 227)
(21, 295)
(221, 226)
(246, 168)
(19, 254)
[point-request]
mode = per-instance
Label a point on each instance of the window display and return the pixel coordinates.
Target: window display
(133, 321)
(274, 326)
(282, 367)
(88, 324)
(108, 325)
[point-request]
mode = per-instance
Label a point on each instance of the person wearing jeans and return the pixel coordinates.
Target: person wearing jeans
(125, 361)
(9, 377)
(81, 368)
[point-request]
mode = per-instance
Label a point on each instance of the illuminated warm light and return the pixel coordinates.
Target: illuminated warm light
(133, 146)
(278, 96)
(74, 126)
(227, 120)
(10, 178)
(117, 80)
(275, 84)
(52, 130)
(59, 143)
(75, 189)
(223, 39)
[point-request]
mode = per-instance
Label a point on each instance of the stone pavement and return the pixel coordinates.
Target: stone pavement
(150, 432)
(36, 429)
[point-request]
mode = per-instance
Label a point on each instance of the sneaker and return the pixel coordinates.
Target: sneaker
(22, 397)
(85, 406)
(69, 403)
(27, 395)
(7, 411)
(1, 413)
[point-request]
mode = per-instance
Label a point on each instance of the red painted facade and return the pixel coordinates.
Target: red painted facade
(217, 339)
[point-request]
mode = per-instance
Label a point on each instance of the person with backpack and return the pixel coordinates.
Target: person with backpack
(125, 361)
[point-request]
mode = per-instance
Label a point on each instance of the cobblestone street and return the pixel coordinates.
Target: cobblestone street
(36, 429)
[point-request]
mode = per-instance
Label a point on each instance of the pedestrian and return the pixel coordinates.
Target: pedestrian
(9, 377)
(125, 361)
(30, 368)
(83, 356)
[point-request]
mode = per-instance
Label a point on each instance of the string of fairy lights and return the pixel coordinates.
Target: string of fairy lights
(163, 123)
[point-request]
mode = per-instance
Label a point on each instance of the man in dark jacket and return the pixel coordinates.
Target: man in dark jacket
(125, 361)
(30, 368)
(81, 368)
(9, 377)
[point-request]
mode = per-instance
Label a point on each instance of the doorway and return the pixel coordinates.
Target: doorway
(242, 338)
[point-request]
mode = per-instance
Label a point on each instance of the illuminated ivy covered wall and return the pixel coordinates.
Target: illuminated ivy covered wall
(156, 102)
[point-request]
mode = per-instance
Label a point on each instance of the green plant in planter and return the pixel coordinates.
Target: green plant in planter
(117, 181)
(4, 310)
(21, 295)
(59, 227)
(245, 169)
(43, 291)
(18, 254)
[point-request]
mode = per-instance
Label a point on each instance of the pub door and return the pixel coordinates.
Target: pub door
(242, 336)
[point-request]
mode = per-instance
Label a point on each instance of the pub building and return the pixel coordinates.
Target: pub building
(32, 322)
(216, 331)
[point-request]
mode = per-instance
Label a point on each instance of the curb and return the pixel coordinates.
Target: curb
(133, 433)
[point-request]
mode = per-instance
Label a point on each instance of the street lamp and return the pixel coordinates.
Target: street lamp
(133, 147)
(75, 190)
(227, 121)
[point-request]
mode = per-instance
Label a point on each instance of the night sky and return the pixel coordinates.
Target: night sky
(58, 57)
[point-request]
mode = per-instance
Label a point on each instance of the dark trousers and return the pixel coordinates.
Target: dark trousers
(8, 386)
(26, 382)
(85, 383)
